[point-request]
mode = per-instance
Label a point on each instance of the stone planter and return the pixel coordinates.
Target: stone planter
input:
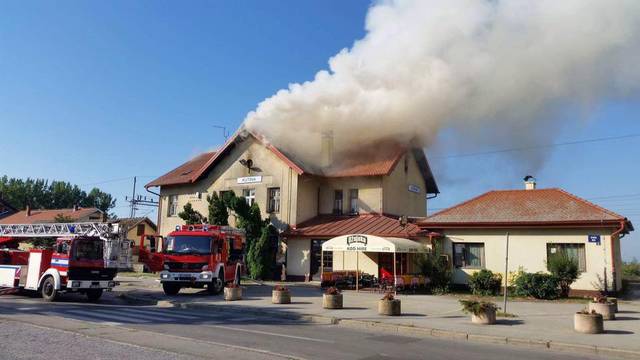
(332, 301)
(281, 297)
(232, 294)
(615, 303)
(487, 317)
(588, 323)
(607, 310)
(389, 307)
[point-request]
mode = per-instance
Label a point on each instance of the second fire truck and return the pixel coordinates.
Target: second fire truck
(85, 258)
(195, 256)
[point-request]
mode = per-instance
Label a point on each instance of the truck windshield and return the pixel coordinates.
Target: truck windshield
(88, 249)
(187, 245)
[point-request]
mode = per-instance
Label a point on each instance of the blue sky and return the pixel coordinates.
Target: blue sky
(97, 92)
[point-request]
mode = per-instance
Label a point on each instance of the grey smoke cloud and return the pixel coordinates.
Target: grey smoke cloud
(472, 65)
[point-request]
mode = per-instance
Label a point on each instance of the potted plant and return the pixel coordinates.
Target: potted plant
(614, 301)
(602, 306)
(588, 322)
(389, 305)
(332, 298)
(232, 292)
(281, 295)
(482, 312)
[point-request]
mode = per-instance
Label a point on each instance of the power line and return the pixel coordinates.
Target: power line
(115, 180)
(538, 147)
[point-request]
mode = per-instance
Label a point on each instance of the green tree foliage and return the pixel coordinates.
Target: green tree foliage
(565, 269)
(191, 216)
(435, 267)
(218, 213)
(631, 269)
(261, 254)
(42, 194)
(485, 283)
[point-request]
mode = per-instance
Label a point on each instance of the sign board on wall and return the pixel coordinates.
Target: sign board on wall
(594, 239)
(414, 188)
(249, 179)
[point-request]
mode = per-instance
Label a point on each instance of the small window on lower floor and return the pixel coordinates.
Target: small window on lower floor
(573, 251)
(468, 255)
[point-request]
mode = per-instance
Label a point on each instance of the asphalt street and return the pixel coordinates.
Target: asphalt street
(33, 329)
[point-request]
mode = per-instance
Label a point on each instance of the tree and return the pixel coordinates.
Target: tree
(261, 255)
(436, 268)
(218, 213)
(40, 194)
(191, 216)
(565, 269)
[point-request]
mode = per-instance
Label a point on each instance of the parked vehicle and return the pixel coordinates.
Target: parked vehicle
(195, 256)
(85, 258)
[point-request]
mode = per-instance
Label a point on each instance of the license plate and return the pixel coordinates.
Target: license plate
(94, 285)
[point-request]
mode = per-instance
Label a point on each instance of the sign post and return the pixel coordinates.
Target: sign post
(506, 273)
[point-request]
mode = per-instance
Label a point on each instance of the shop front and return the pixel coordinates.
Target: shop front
(369, 261)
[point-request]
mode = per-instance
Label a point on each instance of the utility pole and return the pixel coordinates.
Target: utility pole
(139, 200)
(506, 273)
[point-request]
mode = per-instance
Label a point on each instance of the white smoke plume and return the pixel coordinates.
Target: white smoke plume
(482, 67)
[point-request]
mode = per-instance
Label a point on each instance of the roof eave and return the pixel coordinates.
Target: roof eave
(522, 224)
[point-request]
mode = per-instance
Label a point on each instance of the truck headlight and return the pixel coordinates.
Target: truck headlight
(204, 275)
(164, 276)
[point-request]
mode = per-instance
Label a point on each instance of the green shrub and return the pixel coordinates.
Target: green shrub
(477, 307)
(436, 268)
(565, 269)
(631, 269)
(538, 285)
(485, 283)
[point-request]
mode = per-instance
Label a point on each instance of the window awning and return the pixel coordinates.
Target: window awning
(370, 243)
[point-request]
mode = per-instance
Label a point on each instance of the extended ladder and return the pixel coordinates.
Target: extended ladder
(103, 230)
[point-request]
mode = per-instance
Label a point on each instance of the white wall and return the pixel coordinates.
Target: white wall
(528, 249)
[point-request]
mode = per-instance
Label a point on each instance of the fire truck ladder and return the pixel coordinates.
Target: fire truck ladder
(103, 230)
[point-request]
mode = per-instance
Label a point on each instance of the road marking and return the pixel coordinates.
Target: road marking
(26, 308)
(269, 333)
(89, 315)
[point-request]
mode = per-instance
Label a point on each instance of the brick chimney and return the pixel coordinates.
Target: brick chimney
(75, 207)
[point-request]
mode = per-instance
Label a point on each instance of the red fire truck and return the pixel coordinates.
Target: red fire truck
(84, 259)
(195, 256)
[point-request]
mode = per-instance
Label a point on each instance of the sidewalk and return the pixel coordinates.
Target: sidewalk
(546, 324)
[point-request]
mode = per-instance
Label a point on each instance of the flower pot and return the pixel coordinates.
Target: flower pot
(332, 301)
(607, 310)
(232, 294)
(487, 317)
(389, 307)
(588, 323)
(614, 301)
(281, 297)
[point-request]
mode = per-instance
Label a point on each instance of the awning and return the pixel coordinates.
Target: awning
(370, 243)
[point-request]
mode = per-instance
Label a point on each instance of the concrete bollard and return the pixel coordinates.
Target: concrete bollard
(389, 307)
(607, 310)
(280, 297)
(488, 317)
(588, 323)
(232, 293)
(332, 301)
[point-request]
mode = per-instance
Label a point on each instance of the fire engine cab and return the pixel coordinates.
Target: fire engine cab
(85, 258)
(195, 256)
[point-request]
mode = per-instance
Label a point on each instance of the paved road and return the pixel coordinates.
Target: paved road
(112, 328)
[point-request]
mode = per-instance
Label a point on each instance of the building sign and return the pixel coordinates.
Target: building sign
(357, 242)
(414, 188)
(594, 239)
(250, 179)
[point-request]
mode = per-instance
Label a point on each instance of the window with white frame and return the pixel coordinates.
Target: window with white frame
(468, 255)
(575, 252)
(173, 205)
(273, 200)
(249, 196)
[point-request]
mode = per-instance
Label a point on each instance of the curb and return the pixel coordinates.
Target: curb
(407, 330)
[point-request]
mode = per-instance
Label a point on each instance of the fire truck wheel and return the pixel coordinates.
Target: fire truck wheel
(48, 290)
(94, 294)
(217, 285)
(170, 289)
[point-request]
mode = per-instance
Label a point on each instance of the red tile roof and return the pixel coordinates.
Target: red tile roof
(183, 173)
(522, 207)
(48, 216)
(381, 162)
(336, 225)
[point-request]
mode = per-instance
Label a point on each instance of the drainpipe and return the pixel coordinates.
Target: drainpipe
(613, 254)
